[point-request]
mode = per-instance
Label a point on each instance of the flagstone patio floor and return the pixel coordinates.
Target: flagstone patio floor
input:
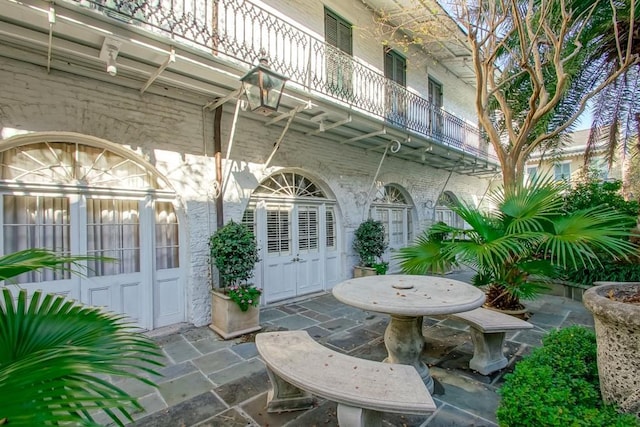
(211, 382)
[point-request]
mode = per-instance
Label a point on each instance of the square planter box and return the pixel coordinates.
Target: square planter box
(363, 271)
(228, 321)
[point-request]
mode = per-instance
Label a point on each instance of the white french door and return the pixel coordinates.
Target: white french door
(296, 228)
(78, 195)
(392, 208)
(290, 238)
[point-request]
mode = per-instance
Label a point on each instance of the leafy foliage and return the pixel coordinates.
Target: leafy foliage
(54, 353)
(245, 296)
(381, 267)
(234, 252)
(594, 192)
(609, 271)
(369, 242)
(517, 248)
(557, 385)
(14, 264)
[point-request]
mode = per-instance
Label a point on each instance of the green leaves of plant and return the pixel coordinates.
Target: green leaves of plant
(520, 244)
(234, 252)
(55, 354)
(369, 242)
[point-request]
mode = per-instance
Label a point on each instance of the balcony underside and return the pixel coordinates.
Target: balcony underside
(200, 77)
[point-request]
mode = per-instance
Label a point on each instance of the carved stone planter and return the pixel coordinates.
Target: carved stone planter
(228, 321)
(618, 338)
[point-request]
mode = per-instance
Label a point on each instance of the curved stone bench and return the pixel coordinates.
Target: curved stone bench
(488, 329)
(298, 367)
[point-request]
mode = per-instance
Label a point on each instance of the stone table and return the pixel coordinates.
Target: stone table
(406, 299)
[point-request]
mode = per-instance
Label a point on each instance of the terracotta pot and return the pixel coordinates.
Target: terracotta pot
(618, 337)
(228, 321)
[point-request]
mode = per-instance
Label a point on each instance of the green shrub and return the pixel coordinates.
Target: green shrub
(557, 385)
(609, 271)
(369, 242)
(234, 252)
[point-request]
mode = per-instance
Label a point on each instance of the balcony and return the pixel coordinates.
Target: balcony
(236, 30)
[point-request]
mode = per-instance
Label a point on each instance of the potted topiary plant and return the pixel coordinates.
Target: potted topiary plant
(234, 304)
(369, 244)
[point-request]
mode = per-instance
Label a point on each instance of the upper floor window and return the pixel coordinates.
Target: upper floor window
(395, 67)
(339, 65)
(436, 119)
(338, 32)
(532, 172)
(562, 172)
(435, 93)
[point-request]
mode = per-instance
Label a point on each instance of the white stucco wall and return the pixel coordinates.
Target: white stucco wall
(169, 133)
(368, 48)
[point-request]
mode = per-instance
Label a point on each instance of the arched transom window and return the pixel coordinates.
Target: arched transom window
(444, 213)
(289, 184)
(75, 164)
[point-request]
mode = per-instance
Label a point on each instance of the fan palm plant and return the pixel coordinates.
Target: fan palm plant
(516, 248)
(55, 354)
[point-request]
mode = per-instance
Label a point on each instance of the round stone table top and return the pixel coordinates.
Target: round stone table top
(406, 295)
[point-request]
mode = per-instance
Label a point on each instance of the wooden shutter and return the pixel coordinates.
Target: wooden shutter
(278, 231)
(331, 29)
(330, 226)
(338, 33)
(345, 42)
(395, 67)
(307, 228)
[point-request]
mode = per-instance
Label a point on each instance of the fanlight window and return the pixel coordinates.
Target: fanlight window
(66, 163)
(446, 200)
(390, 194)
(445, 214)
(289, 184)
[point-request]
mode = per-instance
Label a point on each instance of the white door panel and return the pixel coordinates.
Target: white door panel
(279, 276)
(119, 294)
(309, 275)
(168, 298)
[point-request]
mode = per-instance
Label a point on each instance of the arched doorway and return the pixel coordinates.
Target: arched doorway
(81, 195)
(392, 207)
(295, 223)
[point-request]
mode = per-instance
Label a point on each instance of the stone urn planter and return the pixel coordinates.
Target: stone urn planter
(228, 321)
(617, 322)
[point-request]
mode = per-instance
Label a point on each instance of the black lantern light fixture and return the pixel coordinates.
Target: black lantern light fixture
(263, 87)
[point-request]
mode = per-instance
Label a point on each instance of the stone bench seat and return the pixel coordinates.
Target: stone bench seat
(300, 367)
(488, 330)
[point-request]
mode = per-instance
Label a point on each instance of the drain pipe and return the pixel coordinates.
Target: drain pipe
(217, 152)
(395, 146)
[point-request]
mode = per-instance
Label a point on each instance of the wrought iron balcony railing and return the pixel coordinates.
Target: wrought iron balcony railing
(238, 30)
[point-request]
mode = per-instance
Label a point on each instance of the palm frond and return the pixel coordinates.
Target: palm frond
(27, 260)
(53, 355)
(425, 256)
